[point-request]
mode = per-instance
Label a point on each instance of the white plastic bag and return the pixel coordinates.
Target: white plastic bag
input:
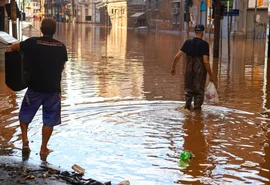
(211, 95)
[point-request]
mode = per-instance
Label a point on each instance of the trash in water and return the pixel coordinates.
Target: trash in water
(249, 164)
(75, 178)
(72, 177)
(186, 155)
(185, 158)
(125, 182)
(78, 169)
(30, 177)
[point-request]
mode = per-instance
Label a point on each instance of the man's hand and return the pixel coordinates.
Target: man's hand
(175, 60)
(8, 49)
(173, 72)
(211, 78)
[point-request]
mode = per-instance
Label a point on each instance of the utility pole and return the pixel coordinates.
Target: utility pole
(217, 28)
(187, 5)
(13, 7)
(210, 20)
(255, 16)
(23, 6)
(229, 31)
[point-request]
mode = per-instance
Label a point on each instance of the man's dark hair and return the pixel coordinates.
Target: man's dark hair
(198, 32)
(48, 27)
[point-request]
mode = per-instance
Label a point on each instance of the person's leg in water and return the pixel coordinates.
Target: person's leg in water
(188, 92)
(198, 101)
(188, 84)
(199, 85)
(30, 105)
(188, 98)
(199, 93)
(51, 117)
(25, 142)
(46, 134)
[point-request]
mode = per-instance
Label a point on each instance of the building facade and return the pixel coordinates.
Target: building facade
(169, 14)
(125, 13)
(243, 25)
(81, 11)
(85, 11)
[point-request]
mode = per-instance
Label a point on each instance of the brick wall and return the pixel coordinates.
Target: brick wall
(162, 18)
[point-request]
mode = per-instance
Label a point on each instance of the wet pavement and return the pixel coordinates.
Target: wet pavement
(119, 112)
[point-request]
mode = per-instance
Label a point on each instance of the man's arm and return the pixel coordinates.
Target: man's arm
(175, 61)
(15, 46)
(207, 66)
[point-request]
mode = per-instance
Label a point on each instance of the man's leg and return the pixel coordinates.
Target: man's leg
(46, 134)
(51, 118)
(188, 98)
(199, 87)
(25, 142)
(29, 107)
(188, 87)
(199, 96)
(198, 101)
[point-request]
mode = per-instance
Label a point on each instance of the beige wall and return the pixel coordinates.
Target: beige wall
(81, 12)
(118, 14)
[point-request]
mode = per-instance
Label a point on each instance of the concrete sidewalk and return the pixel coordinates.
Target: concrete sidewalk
(16, 171)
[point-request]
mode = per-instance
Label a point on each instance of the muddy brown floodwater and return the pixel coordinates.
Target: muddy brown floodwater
(119, 112)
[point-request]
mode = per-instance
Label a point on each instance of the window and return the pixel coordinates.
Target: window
(149, 5)
(123, 11)
(156, 4)
(175, 13)
(112, 11)
(176, 19)
(86, 11)
(88, 18)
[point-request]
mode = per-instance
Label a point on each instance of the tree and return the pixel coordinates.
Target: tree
(187, 5)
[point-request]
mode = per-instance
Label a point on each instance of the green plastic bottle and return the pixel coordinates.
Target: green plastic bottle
(185, 158)
(185, 155)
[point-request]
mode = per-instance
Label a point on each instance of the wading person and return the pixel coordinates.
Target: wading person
(47, 57)
(197, 66)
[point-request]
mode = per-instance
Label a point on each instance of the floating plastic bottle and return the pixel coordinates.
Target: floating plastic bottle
(186, 155)
(185, 158)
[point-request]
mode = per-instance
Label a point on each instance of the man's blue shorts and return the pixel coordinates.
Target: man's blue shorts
(51, 107)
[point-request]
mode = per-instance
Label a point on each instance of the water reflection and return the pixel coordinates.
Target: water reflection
(8, 115)
(194, 141)
(119, 117)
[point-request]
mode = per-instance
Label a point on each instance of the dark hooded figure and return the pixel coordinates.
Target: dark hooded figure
(197, 67)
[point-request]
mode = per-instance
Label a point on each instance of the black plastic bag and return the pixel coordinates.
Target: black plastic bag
(17, 70)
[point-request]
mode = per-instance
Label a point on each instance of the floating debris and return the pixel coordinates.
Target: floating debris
(78, 169)
(185, 158)
(30, 177)
(75, 178)
(125, 182)
(249, 164)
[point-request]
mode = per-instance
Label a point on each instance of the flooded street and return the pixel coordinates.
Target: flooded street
(119, 117)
